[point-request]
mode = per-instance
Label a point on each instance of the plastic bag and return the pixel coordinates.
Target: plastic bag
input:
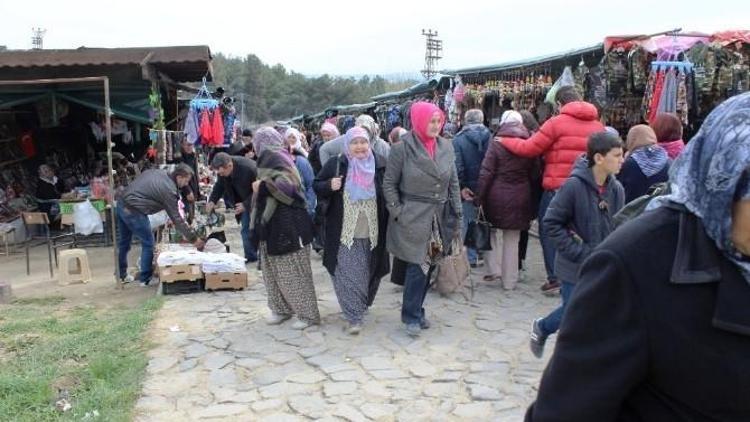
(157, 220)
(566, 79)
(87, 219)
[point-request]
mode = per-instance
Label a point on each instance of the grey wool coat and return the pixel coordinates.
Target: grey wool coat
(416, 187)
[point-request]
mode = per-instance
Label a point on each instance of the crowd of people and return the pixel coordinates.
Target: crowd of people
(653, 321)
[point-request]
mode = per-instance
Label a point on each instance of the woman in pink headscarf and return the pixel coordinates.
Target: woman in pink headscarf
(422, 196)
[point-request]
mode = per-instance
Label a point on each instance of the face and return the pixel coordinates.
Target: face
(247, 140)
(326, 135)
(291, 140)
(225, 171)
(359, 148)
(741, 226)
(433, 128)
(188, 148)
(182, 181)
(612, 162)
(46, 172)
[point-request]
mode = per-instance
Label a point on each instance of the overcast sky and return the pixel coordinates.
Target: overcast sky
(346, 37)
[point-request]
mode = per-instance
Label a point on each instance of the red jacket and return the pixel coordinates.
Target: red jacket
(562, 139)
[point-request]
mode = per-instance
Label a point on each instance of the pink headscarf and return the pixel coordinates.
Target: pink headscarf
(421, 114)
(329, 127)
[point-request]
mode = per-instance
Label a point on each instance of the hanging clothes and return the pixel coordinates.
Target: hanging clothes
(217, 129)
(658, 88)
(668, 98)
(206, 133)
(191, 126)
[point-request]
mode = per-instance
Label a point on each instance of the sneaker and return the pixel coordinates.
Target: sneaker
(276, 319)
(128, 279)
(354, 328)
(537, 338)
(413, 330)
(425, 324)
(300, 325)
(143, 284)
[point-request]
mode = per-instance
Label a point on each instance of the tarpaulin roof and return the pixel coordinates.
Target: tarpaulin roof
(671, 43)
(525, 62)
(417, 89)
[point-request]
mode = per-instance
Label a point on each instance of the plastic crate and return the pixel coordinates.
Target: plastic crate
(99, 204)
(67, 207)
(182, 287)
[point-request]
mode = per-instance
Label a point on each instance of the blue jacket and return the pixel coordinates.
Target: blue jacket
(579, 218)
(470, 146)
(307, 175)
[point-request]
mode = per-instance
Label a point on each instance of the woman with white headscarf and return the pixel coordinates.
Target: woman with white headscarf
(658, 327)
(504, 195)
(306, 172)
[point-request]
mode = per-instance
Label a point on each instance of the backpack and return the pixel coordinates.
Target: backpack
(637, 206)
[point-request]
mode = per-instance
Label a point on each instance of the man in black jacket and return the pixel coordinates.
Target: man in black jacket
(236, 176)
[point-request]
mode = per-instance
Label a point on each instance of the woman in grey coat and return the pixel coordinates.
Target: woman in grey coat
(422, 195)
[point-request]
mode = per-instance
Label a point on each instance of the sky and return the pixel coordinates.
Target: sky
(354, 38)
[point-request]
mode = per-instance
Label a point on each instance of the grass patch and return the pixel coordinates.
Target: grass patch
(95, 359)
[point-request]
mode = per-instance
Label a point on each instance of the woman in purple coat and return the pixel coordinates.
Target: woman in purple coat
(504, 193)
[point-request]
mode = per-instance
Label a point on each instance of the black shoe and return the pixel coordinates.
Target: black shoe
(424, 324)
(538, 339)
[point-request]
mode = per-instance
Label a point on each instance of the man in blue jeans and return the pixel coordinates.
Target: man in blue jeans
(151, 192)
(578, 218)
(236, 177)
(470, 146)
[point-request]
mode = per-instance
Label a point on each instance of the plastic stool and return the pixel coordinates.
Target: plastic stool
(82, 271)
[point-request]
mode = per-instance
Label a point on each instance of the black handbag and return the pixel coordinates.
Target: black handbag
(321, 208)
(478, 233)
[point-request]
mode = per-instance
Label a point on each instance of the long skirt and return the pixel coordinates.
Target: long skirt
(289, 284)
(352, 278)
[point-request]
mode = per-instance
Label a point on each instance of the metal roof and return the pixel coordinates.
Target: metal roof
(181, 63)
(527, 62)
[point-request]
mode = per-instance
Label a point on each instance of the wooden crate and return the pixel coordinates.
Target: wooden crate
(226, 281)
(187, 272)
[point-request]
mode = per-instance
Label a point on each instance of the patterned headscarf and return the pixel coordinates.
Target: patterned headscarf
(360, 176)
(713, 172)
(366, 121)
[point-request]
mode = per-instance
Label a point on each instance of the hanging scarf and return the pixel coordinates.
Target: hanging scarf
(205, 128)
(421, 114)
(360, 176)
(712, 174)
(217, 129)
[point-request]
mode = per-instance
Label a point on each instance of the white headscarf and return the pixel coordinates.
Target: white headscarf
(297, 145)
(511, 116)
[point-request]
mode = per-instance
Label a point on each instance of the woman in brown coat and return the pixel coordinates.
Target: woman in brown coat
(504, 193)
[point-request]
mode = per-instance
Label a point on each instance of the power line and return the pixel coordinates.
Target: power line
(433, 53)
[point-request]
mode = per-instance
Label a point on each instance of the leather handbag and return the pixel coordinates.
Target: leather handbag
(478, 233)
(453, 271)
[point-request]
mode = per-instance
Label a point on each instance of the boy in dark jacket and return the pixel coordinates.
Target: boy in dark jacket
(579, 218)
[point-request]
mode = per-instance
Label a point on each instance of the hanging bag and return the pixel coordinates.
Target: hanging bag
(478, 233)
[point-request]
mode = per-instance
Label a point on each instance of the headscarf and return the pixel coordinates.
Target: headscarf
(360, 176)
(449, 130)
(297, 145)
(396, 133)
(713, 173)
(277, 171)
(511, 116)
(421, 113)
(640, 136)
(345, 123)
(330, 128)
(612, 130)
(366, 121)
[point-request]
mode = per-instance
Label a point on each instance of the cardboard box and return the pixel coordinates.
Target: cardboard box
(187, 272)
(223, 281)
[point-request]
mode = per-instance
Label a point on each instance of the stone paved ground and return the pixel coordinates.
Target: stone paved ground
(225, 363)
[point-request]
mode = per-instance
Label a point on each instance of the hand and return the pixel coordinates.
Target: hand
(199, 244)
(336, 184)
(239, 208)
(467, 194)
(210, 207)
(256, 186)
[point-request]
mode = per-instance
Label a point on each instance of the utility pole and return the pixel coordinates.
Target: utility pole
(433, 53)
(37, 38)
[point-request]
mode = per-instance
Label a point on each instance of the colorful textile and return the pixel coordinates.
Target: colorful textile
(351, 280)
(205, 128)
(289, 284)
(217, 129)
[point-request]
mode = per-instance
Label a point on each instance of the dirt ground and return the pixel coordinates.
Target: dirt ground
(101, 292)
